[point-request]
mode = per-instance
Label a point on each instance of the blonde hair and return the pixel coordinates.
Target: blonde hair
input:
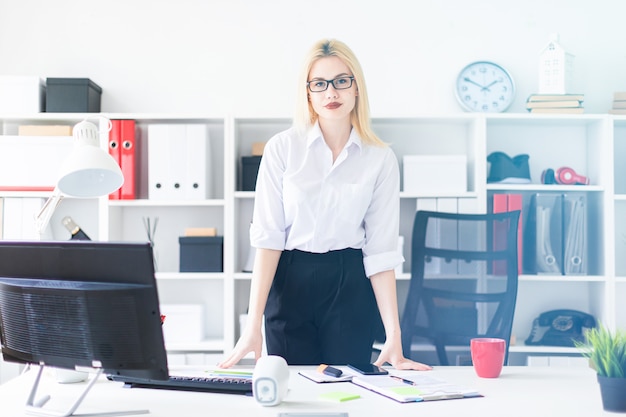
(305, 116)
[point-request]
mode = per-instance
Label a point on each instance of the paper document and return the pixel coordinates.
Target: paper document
(413, 388)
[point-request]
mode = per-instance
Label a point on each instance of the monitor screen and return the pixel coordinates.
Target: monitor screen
(81, 304)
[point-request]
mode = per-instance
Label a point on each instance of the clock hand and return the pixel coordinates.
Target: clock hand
(487, 86)
(468, 80)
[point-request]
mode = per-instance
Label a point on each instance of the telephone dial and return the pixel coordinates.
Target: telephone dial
(560, 328)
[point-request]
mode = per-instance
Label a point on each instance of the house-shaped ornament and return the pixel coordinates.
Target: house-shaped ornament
(556, 67)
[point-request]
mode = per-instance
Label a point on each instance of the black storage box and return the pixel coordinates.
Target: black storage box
(72, 95)
(201, 253)
(249, 172)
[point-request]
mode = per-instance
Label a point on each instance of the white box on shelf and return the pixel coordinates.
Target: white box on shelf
(32, 163)
(434, 173)
(22, 94)
(184, 323)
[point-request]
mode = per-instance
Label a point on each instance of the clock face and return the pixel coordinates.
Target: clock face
(485, 87)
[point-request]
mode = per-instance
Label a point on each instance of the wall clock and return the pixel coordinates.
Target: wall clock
(486, 87)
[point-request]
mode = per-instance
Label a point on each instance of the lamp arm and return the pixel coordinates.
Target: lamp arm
(47, 210)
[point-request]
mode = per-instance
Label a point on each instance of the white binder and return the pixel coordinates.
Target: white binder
(159, 174)
(197, 183)
(177, 162)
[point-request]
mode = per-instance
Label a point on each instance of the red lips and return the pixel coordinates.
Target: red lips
(332, 106)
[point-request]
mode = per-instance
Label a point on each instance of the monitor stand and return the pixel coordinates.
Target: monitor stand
(36, 407)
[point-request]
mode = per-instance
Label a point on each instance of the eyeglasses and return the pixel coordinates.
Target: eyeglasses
(340, 83)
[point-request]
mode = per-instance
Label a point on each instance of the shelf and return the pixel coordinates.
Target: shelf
(167, 203)
(562, 278)
(43, 117)
(468, 194)
(544, 349)
(543, 120)
(553, 188)
(592, 144)
(244, 194)
(242, 276)
(27, 194)
(419, 347)
(194, 276)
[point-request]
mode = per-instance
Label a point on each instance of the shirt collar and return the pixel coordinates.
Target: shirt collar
(315, 133)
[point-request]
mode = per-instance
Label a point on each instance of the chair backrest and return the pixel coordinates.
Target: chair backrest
(464, 273)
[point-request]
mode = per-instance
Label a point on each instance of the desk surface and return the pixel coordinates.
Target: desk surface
(520, 391)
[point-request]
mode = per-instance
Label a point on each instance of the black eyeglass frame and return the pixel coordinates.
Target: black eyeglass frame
(329, 82)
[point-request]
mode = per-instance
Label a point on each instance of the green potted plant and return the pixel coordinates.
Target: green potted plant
(606, 351)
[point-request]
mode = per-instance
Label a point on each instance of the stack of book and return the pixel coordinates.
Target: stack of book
(619, 103)
(555, 103)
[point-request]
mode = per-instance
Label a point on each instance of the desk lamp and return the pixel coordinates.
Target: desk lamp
(88, 171)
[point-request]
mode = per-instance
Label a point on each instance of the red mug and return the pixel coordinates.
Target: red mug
(488, 356)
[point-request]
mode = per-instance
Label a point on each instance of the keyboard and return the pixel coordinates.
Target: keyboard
(224, 385)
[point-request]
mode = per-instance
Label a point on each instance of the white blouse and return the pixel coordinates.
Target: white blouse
(305, 201)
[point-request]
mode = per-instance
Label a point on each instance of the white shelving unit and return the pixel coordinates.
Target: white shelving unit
(593, 145)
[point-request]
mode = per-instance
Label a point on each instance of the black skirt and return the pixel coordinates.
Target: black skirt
(321, 309)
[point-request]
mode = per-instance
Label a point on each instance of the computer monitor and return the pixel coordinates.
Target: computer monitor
(81, 304)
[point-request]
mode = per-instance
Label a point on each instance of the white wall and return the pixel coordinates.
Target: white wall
(242, 56)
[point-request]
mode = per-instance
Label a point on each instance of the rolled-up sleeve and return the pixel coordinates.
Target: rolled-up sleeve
(382, 220)
(267, 230)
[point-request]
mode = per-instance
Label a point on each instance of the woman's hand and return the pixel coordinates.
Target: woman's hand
(250, 341)
(392, 353)
(384, 285)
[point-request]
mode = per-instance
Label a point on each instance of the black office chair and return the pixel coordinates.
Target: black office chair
(464, 273)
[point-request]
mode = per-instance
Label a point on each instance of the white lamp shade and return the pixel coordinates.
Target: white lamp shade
(89, 171)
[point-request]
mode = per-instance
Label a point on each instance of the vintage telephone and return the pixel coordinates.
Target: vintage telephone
(560, 328)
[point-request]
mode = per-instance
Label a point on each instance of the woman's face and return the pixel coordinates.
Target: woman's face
(333, 103)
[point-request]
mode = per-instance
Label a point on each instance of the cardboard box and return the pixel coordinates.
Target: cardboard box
(72, 95)
(257, 148)
(439, 174)
(201, 253)
(200, 231)
(184, 323)
(44, 130)
(22, 94)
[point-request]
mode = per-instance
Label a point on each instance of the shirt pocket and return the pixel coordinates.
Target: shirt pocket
(352, 203)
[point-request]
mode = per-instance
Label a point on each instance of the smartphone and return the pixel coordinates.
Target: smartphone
(368, 369)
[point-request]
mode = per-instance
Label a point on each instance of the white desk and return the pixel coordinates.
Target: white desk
(520, 391)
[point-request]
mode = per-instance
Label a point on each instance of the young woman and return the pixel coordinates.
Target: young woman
(325, 226)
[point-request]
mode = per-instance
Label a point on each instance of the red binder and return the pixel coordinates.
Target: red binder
(515, 203)
(499, 205)
(128, 160)
(503, 203)
(114, 150)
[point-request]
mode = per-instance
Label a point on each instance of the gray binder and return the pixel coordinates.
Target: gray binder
(574, 234)
(544, 235)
